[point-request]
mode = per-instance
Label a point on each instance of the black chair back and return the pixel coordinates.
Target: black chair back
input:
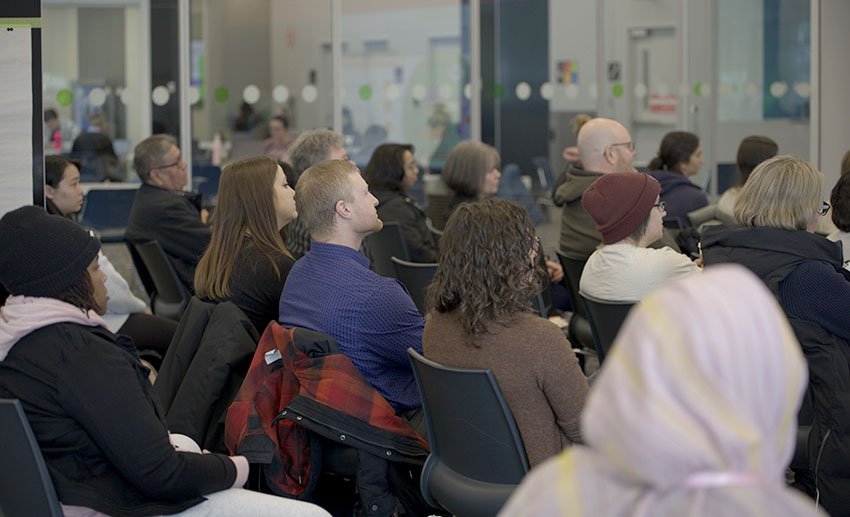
(25, 484)
(389, 242)
(606, 318)
(477, 455)
(580, 334)
(107, 211)
(415, 276)
(168, 295)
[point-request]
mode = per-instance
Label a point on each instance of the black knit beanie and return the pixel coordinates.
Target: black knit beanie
(42, 254)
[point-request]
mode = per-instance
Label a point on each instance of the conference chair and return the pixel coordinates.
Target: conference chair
(25, 485)
(605, 318)
(415, 276)
(389, 242)
(579, 332)
(477, 456)
(107, 211)
(168, 295)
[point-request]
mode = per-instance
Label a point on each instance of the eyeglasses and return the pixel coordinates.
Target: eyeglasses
(630, 144)
(824, 208)
(661, 204)
(179, 159)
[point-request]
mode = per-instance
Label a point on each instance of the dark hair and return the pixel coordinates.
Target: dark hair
(385, 170)
(485, 272)
(676, 148)
(845, 163)
(80, 294)
(50, 114)
(840, 201)
(283, 120)
(288, 173)
(752, 151)
(54, 168)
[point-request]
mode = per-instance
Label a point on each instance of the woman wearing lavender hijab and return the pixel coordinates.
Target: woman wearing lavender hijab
(693, 414)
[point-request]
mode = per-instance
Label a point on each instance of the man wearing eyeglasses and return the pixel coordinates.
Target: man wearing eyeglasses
(163, 211)
(605, 146)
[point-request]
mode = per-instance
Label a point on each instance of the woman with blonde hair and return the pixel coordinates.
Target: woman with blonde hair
(246, 261)
(472, 172)
(480, 318)
(778, 210)
(693, 414)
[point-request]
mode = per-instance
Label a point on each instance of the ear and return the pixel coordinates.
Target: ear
(341, 208)
(154, 177)
(49, 192)
(607, 152)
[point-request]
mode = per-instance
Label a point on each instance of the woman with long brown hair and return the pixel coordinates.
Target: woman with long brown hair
(480, 318)
(247, 261)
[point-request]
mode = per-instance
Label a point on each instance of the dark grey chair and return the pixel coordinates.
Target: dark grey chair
(415, 276)
(605, 318)
(25, 485)
(168, 295)
(477, 456)
(579, 333)
(389, 242)
(107, 211)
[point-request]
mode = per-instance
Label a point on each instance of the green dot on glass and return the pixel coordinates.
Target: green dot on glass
(617, 90)
(498, 91)
(221, 94)
(64, 97)
(365, 92)
(698, 89)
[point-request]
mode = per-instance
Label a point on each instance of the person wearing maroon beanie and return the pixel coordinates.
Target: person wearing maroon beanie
(626, 210)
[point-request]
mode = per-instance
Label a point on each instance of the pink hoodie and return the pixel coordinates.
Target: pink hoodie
(24, 314)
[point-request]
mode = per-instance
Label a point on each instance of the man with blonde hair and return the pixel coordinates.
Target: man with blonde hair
(604, 146)
(331, 289)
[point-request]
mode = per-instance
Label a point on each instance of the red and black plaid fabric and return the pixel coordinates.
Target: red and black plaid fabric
(329, 380)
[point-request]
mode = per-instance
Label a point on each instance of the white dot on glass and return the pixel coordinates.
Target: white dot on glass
(804, 90)
(97, 97)
(309, 93)
(160, 95)
(571, 91)
(107, 90)
(280, 94)
(467, 90)
(751, 89)
(547, 90)
(778, 89)
(392, 91)
(194, 94)
(523, 91)
(640, 91)
(419, 91)
(172, 86)
(126, 96)
(445, 91)
(251, 94)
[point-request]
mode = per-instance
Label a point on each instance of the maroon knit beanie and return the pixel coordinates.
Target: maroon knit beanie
(619, 202)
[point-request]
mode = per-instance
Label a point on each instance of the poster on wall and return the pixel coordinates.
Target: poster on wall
(16, 105)
(567, 71)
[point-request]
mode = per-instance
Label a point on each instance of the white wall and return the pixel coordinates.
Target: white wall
(572, 37)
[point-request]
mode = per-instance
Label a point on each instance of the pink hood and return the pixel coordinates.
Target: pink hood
(24, 314)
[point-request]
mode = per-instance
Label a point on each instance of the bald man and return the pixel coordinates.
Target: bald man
(604, 146)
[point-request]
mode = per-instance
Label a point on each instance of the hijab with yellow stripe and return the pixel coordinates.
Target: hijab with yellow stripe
(694, 412)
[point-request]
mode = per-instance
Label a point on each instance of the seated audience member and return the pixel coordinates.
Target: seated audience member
(246, 261)
(125, 313)
(480, 318)
(59, 133)
(472, 172)
(628, 213)
(694, 413)
(163, 211)
(778, 210)
(332, 290)
(679, 157)
(571, 153)
(95, 148)
(752, 151)
(86, 395)
(279, 141)
(604, 146)
(840, 200)
(310, 148)
(390, 172)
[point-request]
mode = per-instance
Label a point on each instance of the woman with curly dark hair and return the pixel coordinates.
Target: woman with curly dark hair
(480, 318)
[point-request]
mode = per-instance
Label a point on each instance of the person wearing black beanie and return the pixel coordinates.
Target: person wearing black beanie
(87, 396)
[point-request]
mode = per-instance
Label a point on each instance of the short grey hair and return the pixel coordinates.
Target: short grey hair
(149, 154)
(312, 147)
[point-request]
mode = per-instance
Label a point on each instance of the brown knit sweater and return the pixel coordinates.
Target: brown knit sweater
(535, 367)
